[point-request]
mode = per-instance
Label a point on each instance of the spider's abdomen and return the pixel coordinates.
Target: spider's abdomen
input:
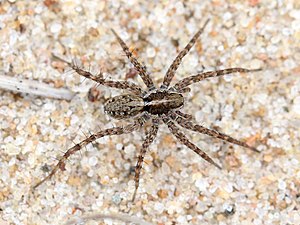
(124, 106)
(161, 102)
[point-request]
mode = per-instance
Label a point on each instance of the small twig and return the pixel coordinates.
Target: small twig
(100, 216)
(34, 87)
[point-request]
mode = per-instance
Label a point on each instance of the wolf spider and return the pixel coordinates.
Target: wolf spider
(155, 104)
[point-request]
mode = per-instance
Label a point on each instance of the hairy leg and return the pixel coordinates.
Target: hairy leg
(100, 80)
(108, 132)
(137, 65)
(185, 123)
(184, 140)
(184, 115)
(174, 66)
(150, 136)
(182, 84)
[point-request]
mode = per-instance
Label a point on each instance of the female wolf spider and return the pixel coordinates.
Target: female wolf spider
(155, 104)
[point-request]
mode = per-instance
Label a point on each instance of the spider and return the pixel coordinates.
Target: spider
(156, 105)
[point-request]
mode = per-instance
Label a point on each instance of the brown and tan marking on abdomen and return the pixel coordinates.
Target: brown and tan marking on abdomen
(124, 106)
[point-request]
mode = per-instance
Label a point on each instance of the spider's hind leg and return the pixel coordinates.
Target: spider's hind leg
(111, 131)
(100, 79)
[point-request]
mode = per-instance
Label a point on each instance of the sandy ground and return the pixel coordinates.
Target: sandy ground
(177, 186)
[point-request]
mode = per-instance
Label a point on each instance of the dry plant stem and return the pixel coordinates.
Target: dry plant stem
(184, 140)
(154, 105)
(182, 84)
(100, 216)
(33, 87)
(183, 122)
(175, 64)
(101, 81)
(108, 132)
(137, 65)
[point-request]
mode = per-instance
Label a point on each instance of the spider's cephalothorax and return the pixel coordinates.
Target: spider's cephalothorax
(162, 102)
(157, 105)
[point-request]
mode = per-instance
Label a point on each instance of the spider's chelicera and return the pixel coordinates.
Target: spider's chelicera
(156, 105)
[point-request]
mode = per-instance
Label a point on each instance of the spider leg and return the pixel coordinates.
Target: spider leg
(108, 132)
(137, 65)
(184, 115)
(185, 123)
(150, 136)
(182, 84)
(175, 64)
(184, 140)
(102, 81)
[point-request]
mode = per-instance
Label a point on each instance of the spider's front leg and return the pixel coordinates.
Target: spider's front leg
(150, 136)
(108, 132)
(185, 82)
(184, 115)
(185, 123)
(184, 140)
(175, 64)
